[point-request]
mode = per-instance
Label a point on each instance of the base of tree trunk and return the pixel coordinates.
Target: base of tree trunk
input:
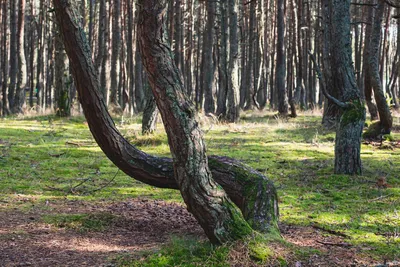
(375, 131)
(373, 110)
(348, 140)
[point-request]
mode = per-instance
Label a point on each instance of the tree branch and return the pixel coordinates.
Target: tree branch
(321, 78)
(390, 3)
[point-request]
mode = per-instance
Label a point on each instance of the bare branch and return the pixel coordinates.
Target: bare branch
(321, 78)
(392, 4)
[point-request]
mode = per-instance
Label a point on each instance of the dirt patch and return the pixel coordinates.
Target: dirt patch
(334, 251)
(25, 240)
(138, 225)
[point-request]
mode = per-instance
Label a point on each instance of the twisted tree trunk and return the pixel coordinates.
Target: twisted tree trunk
(254, 194)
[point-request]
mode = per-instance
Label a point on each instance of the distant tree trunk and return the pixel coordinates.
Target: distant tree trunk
(62, 94)
(281, 60)
(139, 91)
(252, 192)
(385, 116)
(366, 67)
(233, 94)
(32, 42)
(331, 111)
(115, 49)
(4, 67)
(223, 61)
(13, 53)
(40, 62)
(91, 18)
(249, 82)
(208, 66)
(150, 114)
(351, 123)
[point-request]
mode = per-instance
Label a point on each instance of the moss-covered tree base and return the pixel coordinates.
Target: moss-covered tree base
(375, 131)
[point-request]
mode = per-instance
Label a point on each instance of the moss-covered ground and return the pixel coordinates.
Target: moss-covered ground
(47, 158)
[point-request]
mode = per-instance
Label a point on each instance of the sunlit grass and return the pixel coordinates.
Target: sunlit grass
(45, 157)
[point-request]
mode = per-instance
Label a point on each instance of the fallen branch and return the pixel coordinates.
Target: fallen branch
(379, 198)
(104, 186)
(72, 143)
(333, 232)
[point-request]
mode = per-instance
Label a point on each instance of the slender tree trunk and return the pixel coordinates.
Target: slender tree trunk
(366, 67)
(223, 61)
(331, 111)
(130, 55)
(281, 60)
(13, 53)
(4, 67)
(62, 94)
(115, 49)
(208, 66)
(385, 115)
(150, 114)
(233, 94)
(39, 58)
(139, 91)
(249, 81)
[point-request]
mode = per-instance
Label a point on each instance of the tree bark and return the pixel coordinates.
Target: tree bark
(350, 126)
(4, 66)
(283, 106)
(62, 95)
(252, 192)
(150, 114)
(13, 53)
(331, 111)
(208, 66)
(115, 49)
(205, 200)
(385, 116)
(233, 94)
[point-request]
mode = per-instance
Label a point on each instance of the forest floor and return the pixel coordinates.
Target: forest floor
(63, 203)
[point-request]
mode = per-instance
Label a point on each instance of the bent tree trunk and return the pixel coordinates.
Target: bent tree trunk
(351, 123)
(253, 193)
(209, 203)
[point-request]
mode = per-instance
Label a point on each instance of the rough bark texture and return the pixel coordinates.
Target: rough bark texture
(350, 126)
(251, 192)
